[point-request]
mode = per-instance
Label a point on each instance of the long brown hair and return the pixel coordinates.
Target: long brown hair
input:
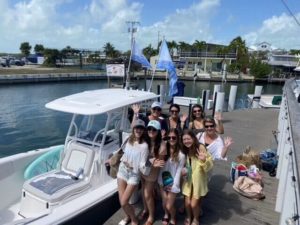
(132, 137)
(193, 149)
(157, 143)
(175, 155)
(202, 112)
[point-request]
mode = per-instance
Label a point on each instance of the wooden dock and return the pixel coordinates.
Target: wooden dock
(223, 205)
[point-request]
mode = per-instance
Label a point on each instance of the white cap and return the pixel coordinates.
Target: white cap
(156, 104)
(155, 124)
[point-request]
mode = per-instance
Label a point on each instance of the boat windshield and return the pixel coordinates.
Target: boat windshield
(90, 129)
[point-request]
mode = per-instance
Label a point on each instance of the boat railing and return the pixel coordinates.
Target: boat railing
(288, 173)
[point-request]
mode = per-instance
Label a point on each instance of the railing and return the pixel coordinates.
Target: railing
(207, 55)
(287, 202)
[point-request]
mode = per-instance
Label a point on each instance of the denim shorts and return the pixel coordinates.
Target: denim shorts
(128, 175)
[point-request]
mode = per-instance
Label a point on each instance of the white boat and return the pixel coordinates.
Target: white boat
(266, 101)
(79, 181)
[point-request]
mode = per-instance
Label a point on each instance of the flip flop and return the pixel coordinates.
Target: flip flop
(143, 215)
(187, 221)
(165, 221)
(124, 221)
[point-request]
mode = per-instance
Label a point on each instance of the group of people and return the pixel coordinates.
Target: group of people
(173, 154)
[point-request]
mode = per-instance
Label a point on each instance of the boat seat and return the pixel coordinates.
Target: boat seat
(51, 188)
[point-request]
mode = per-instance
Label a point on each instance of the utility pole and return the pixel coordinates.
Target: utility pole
(132, 28)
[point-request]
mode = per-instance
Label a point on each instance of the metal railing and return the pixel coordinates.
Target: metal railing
(287, 202)
(207, 55)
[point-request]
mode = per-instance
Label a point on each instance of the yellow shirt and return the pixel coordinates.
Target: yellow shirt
(197, 186)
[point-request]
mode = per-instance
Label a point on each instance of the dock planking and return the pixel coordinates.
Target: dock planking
(223, 205)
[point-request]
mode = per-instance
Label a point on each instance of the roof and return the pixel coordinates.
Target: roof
(99, 101)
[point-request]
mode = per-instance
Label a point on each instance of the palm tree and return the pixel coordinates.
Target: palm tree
(184, 47)
(110, 51)
(172, 46)
(149, 51)
(242, 57)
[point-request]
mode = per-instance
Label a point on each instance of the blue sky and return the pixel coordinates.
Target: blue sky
(92, 23)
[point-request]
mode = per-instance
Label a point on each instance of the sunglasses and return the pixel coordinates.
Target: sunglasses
(209, 126)
(172, 138)
(156, 109)
(139, 128)
(174, 111)
(151, 129)
(197, 111)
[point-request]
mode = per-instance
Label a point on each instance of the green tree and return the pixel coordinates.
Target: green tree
(25, 48)
(39, 49)
(51, 56)
(199, 45)
(184, 47)
(239, 45)
(258, 68)
(110, 51)
(149, 51)
(172, 45)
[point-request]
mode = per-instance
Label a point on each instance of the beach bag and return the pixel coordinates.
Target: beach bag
(237, 170)
(114, 161)
(269, 160)
(167, 178)
(248, 188)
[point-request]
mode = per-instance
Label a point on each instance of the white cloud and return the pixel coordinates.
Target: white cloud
(190, 24)
(280, 31)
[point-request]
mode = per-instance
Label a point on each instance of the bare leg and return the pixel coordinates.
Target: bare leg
(170, 206)
(145, 210)
(164, 196)
(187, 205)
(195, 205)
(149, 199)
(125, 192)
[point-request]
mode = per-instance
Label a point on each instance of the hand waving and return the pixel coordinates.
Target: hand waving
(136, 108)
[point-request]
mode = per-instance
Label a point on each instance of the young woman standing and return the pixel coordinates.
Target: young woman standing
(157, 153)
(134, 158)
(198, 163)
(169, 177)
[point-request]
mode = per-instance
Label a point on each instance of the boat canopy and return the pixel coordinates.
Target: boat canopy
(99, 101)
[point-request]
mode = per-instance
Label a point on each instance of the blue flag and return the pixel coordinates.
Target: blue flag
(138, 56)
(165, 62)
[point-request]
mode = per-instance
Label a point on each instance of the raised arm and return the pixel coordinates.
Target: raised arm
(227, 143)
(219, 124)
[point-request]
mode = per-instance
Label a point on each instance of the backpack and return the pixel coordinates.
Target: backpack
(269, 160)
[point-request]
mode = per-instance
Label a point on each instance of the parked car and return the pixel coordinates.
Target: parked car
(17, 62)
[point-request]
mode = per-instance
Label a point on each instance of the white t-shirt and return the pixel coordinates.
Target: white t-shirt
(175, 170)
(215, 148)
(136, 155)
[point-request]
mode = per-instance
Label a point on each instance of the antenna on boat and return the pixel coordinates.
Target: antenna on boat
(132, 28)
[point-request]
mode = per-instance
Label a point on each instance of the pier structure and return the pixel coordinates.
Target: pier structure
(288, 172)
(223, 205)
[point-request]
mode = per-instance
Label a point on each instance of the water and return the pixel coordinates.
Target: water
(25, 124)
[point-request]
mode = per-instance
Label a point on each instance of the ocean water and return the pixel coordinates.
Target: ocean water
(25, 123)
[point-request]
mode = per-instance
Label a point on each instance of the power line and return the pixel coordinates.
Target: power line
(292, 14)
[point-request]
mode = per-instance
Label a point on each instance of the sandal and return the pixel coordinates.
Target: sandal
(165, 221)
(174, 223)
(195, 222)
(187, 221)
(124, 221)
(143, 215)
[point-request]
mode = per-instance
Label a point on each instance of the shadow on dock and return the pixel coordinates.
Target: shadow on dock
(223, 205)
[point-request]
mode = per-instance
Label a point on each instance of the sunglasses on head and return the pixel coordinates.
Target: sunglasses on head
(151, 129)
(172, 137)
(156, 109)
(209, 126)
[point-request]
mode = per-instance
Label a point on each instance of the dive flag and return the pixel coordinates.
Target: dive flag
(138, 56)
(165, 62)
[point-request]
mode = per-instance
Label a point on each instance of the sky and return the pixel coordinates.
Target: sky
(90, 24)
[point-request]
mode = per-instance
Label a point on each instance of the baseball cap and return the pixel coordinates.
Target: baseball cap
(155, 124)
(156, 104)
(138, 123)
